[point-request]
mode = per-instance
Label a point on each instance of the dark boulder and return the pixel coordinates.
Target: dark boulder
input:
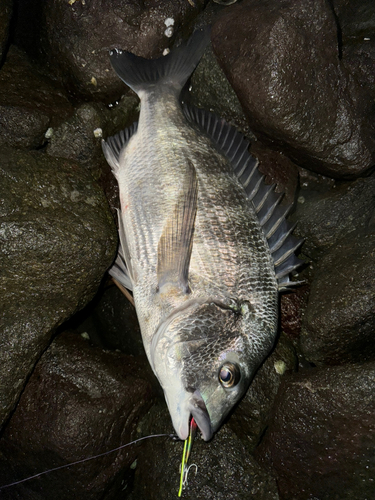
(74, 37)
(357, 28)
(6, 10)
(320, 442)
(277, 169)
(283, 61)
(79, 138)
(251, 417)
(339, 321)
(292, 310)
(57, 239)
(111, 322)
(79, 402)
(225, 470)
(209, 89)
(30, 103)
(326, 218)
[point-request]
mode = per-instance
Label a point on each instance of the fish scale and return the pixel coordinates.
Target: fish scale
(194, 246)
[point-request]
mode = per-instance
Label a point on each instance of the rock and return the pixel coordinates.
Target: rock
(74, 37)
(357, 25)
(311, 112)
(79, 402)
(57, 238)
(209, 89)
(339, 321)
(6, 10)
(320, 442)
(310, 181)
(250, 418)
(225, 469)
(111, 322)
(29, 103)
(326, 218)
(292, 310)
(79, 138)
(277, 169)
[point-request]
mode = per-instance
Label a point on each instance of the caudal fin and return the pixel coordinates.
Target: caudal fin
(173, 69)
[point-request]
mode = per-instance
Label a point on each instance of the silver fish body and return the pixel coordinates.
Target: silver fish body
(197, 258)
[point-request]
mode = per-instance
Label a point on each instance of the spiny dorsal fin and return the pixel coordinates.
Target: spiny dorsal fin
(266, 202)
(176, 242)
(113, 146)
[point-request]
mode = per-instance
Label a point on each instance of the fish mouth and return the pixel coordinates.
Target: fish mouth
(193, 407)
(200, 414)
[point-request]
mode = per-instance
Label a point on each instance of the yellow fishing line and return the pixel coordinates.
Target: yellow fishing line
(184, 460)
(185, 455)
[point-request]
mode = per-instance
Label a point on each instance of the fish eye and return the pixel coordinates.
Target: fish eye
(229, 375)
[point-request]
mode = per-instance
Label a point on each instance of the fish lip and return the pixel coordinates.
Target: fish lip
(198, 410)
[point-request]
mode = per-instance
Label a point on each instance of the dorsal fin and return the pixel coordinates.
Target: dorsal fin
(176, 242)
(266, 202)
(113, 146)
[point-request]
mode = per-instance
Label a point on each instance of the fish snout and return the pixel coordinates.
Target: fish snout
(200, 414)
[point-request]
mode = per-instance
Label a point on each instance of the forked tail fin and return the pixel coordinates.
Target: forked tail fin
(173, 69)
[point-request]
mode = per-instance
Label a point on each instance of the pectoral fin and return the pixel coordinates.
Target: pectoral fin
(176, 242)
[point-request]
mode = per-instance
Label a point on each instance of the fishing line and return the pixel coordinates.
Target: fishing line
(85, 459)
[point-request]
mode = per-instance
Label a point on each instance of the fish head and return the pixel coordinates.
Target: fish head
(205, 355)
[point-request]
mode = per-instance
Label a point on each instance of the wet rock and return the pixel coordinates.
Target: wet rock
(292, 309)
(326, 218)
(57, 238)
(321, 438)
(29, 103)
(209, 89)
(339, 320)
(111, 322)
(310, 181)
(225, 469)
(277, 169)
(357, 29)
(6, 10)
(79, 402)
(75, 37)
(79, 137)
(310, 111)
(250, 418)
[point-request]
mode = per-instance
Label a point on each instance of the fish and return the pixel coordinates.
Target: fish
(204, 244)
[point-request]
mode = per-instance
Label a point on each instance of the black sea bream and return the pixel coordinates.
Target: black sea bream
(203, 244)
